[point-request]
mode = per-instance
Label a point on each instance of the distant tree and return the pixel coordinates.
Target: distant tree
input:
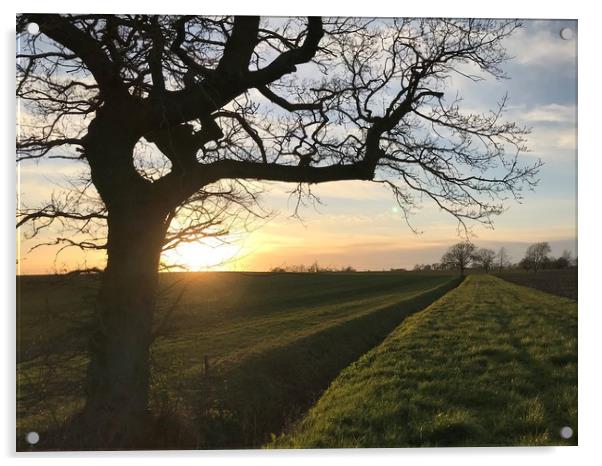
(425, 267)
(296, 268)
(502, 259)
(484, 258)
(536, 256)
(559, 263)
(564, 261)
(459, 256)
(525, 264)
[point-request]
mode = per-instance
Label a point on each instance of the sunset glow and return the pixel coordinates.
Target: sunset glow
(210, 254)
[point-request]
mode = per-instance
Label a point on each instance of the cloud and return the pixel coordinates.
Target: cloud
(553, 130)
(559, 143)
(552, 113)
(354, 190)
(539, 43)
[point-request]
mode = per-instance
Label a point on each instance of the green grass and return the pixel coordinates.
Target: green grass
(273, 342)
(558, 282)
(490, 363)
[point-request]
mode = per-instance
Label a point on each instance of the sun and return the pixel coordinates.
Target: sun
(209, 254)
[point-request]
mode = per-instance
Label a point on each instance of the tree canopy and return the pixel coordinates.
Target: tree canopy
(459, 256)
(303, 100)
(536, 256)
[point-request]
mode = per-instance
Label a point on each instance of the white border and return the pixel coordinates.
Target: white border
(590, 170)
(462, 8)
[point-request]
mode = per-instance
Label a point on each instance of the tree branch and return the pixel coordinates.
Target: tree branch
(285, 104)
(240, 46)
(287, 61)
(86, 48)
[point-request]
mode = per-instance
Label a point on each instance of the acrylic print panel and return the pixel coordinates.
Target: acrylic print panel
(243, 232)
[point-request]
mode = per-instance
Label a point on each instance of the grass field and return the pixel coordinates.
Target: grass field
(558, 282)
(490, 363)
(237, 356)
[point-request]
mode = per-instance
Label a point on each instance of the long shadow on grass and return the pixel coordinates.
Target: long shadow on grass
(542, 373)
(245, 406)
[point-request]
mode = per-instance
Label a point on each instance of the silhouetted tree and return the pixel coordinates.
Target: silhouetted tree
(484, 258)
(502, 259)
(525, 264)
(564, 261)
(536, 256)
(459, 256)
(218, 99)
(558, 263)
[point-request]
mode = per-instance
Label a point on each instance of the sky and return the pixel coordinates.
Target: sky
(359, 224)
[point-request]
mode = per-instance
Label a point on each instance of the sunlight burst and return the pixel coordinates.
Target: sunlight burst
(209, 254)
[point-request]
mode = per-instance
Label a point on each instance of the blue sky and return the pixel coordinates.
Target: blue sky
(358, 223)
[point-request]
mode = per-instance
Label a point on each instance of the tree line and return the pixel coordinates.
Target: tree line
(466, 255)
(315, 268)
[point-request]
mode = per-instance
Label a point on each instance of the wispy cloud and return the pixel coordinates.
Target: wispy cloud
(551, 113)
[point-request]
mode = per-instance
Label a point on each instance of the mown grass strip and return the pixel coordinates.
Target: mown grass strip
(490, 363)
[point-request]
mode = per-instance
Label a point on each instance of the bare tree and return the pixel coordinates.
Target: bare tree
(484, 258)
(459, 256)
(502, 259)
(537, 255)
(227, 99)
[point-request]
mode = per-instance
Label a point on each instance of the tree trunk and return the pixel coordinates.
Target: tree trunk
(117, 385)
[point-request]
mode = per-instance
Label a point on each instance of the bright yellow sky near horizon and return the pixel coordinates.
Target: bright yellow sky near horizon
(358, 225)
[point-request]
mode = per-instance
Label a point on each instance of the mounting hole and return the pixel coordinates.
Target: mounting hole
(566, 432)
(33, 28)
(32, 438)
(567, 33)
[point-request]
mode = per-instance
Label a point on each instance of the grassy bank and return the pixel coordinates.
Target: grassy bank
(490, 363)
(237, 356)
